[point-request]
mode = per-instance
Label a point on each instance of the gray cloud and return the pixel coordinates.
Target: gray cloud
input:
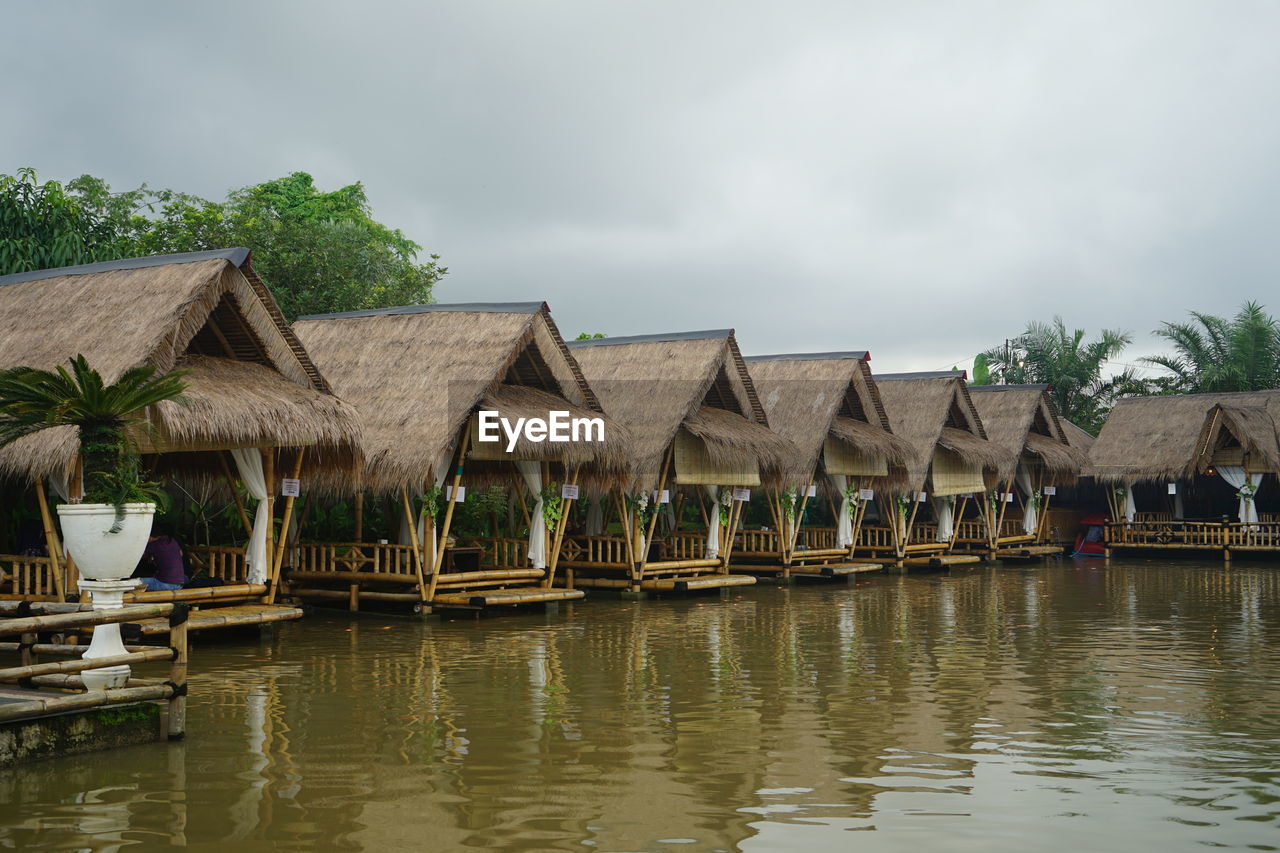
(917, 179)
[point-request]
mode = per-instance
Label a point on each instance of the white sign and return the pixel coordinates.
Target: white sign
(1050, 490)
(290, 488)
(662, 497)
(1008, 497)
(866, 494)
(811, 492)
(921, 497)
(742, 494)
(1173, 488)
(569, 492)
(457, 496)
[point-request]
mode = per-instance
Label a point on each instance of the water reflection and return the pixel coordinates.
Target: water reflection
(1070, 705)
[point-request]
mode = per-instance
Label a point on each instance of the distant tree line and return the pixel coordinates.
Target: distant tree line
(319, 252)
(1210, 354)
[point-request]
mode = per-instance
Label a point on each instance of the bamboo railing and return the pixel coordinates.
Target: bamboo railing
(223, 562)
(1203, 535)
(27, 578)
(66, 674)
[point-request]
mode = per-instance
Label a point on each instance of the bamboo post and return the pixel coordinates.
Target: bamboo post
(662, 484)
(359, 517)
(178, 671)
(418, 548)
(735, 515)
(624, 524)
(553, 559)
(283, 545)
(235, 495)
(911, 520)
(773, 501)
(50, 540)
(957, 517)
(995, 534)
(799, 519)
(451, 500)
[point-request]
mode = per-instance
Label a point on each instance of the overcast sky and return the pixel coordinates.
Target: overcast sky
(917, 179)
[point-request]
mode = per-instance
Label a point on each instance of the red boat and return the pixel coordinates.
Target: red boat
(1090, 542)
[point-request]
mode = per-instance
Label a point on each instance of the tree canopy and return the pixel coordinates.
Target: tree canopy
(318, 252)
(1215, 354)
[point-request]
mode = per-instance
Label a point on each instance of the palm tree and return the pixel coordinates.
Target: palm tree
(1072, 367)
(1213, 354)
(32, 400)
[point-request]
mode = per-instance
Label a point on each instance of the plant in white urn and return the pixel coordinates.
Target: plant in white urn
(106, 532)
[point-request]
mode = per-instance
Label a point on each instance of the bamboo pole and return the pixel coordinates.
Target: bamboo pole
(624, 524)
(417, 547)
(451, 499)
(14, 673)
(178, 672)
(773, 501)
(957, 517)
(359, 517)
(283, 545)
(82, 618)
(799, 519)
(553, 559)
(662, 485)
(735, 516)
(911, 520)
(235, 495)
(51, 541)
(81, 701)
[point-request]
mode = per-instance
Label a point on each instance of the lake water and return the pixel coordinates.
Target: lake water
(1064, 707)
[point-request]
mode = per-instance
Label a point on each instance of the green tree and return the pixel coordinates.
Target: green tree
(319, 252)
(981, 370)
(1072, 367)
(47, 225)
(590, 336)
(1215, 354)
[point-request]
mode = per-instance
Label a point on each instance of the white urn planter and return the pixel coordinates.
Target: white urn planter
(106, 559)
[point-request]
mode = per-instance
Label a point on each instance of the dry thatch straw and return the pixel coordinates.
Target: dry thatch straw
(1078, 438)
(932, 410)
(655, 385)
(1159, 439)
(203, 310)
(416, 374)
(810, 396)
(1023, 419)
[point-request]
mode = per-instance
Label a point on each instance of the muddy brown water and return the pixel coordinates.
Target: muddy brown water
(1070, 706)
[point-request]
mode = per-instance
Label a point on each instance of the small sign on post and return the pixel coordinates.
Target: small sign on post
(1050, 491)
(662, 497)
(290, 488)
(569, 492)
(458, 495)
(1173, 488)
(742, 494)
(1008, 497)
(811, 491)
(921, 497)
(866, 494)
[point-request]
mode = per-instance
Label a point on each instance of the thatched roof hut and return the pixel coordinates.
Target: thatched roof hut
(936, 415)
(1170, 438)
(251, 383)
(814, 399)
(691, 389)
(417, 373)
(1024, 421)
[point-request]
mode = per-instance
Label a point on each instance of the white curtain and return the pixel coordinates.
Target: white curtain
(844, 524)
(1030, 520)
(595, 514)
(1130, 505)
(1179, 511)
(946, 525)
(531, 472)
(1237, 478)
(249, 467)
(713, 523)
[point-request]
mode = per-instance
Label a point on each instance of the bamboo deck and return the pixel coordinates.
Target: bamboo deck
(1031, 552)
(943, 561)
(504, 598)
(232, 616)
(835, 570)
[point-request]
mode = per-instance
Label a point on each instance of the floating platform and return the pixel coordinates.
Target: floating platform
(1029, 552)
(942, 561)
(504, 597)
(692, 583)
(835, 570)
(231, 616)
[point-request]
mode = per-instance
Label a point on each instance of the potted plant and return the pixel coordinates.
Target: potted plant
(107, 532)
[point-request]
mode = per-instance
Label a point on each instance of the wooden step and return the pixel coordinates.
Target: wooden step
(505, 597)
(835, 570)
(1030, 552)
(942, 561)
(697, 582)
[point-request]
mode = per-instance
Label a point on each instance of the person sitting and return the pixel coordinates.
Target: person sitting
(164, 553)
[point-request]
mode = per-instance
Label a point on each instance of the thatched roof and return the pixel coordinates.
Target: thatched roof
(656, 384)
(1023, 419)
(1077, 437)
(1165, 438)
(934, 409)
(808, 396)
(418, 372)
(206, 311)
